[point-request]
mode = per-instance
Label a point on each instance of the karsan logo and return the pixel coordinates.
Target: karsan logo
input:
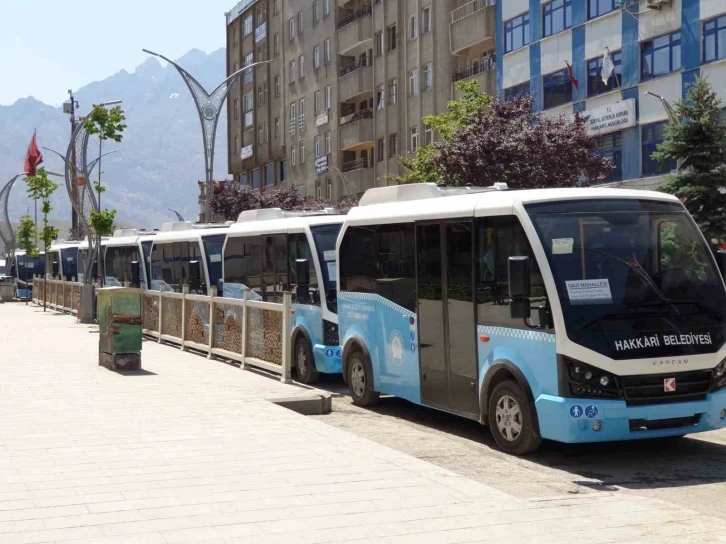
(670, 363)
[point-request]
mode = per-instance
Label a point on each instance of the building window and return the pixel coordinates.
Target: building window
(714, 39)
(595, 85)
(260, 136)
(247, 26)
(392, 145)
(392, 90)
(611, 146)
(276, 7)
(317, 146)
(277, 127)
(262, 51)
(302, 152)
(328, 141)
(293, 117)
(247, 74)
(318, 189)
(294, 155)
(426, 21)
(328, 97)
(256, 178)
(316, 102)
(262, 95)
(652, 135)
(329, 189)
(414, 139)
(235, 35)
(380, 100)
(391, 41)
(269, 174)
(301, 66)
(276, 45)
(517, 90)
(292, 71)
(261, 14)
(267, 132)
(277, 85)
(326, 8)
(326, 51)
(516, 33)
(660, 56)
(236, 108)
(379, 43)
(248, 102)
(428, 136)
(316, 57)
(291, 28)
(316, 11)
(557, 89)
(302, 115)
(412, 27)
(380, 149)
(428, 76)
(300, 17)
(283, 170)
(413, 83)
(601, 7)
(556, 16)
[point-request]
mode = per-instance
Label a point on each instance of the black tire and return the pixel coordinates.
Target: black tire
(360, 380)
(513, 427)
(304, 362)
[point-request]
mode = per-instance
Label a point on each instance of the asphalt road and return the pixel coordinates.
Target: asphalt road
(688, 471)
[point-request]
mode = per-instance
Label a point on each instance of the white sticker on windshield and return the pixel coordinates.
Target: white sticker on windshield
(31, 265)
(562, 246)
(329, 255)
(216, 258)
(589, 291)
(69, 259)
(332, 270)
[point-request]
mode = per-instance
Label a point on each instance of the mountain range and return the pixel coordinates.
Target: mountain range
(160, 159)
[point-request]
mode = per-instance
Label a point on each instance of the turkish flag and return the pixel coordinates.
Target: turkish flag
(33, 157)
(573, 79)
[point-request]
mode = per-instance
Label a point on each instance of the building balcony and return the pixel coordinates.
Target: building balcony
(483, 70)
(359, 176)
(356, 130)
(355, 79)
(473, 26)
(354, 29)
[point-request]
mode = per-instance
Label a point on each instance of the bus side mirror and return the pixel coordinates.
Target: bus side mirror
(55, 268)
(519, 287)
(135, 274)
(220, 287)
(302, 273)
(194, 276)
(721, 261)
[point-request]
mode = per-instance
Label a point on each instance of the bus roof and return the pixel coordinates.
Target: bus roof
(274, 220)
(129, 237)
(64, 244)
(423, 201)
(186, 231)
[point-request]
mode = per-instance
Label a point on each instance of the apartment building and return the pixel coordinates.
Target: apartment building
(347, 85)
(656, 47)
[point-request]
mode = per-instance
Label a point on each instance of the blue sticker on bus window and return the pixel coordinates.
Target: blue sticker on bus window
(576, 411)
(591, 411)
(328, 352)
(413, 347)
(413, 336)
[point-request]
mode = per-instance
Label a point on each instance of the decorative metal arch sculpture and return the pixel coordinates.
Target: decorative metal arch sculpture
(209, 106)
(6, 229)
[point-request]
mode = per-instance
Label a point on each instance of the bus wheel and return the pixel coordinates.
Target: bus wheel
(304, 362)
(360, 380)
(511, 419)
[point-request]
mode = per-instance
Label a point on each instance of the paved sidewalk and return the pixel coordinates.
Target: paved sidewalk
(191, 451)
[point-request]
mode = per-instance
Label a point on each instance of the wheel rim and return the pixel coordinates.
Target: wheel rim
(302, 360)
(358, 379)
(509, 418)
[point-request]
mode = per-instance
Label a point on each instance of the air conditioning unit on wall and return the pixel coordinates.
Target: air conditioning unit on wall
(658, 4)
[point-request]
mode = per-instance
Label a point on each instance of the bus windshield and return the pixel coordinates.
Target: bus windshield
(634, 277)
(324, 238)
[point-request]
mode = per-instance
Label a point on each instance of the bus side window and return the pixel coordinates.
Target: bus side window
(498, 239)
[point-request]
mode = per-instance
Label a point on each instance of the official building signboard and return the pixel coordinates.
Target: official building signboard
(610, 118)
(322, 119)
(321, 165)
(247, 152)
(261, 32)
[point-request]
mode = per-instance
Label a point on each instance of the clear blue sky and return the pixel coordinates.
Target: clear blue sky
(50, 46)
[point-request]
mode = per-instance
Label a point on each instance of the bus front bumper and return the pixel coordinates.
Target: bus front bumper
(327, 359)
(574, 420)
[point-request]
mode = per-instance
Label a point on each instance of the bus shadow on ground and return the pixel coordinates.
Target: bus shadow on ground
(639, 464)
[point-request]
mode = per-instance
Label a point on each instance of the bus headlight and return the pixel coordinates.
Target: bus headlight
(578, 379)
(719, 377)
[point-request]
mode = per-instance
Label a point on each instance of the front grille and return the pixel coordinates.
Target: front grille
(660, 424)
(690, 386)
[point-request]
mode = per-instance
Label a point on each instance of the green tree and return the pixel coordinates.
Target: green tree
(699, 143)
(26, 236)
(41, 187)
(419, 167)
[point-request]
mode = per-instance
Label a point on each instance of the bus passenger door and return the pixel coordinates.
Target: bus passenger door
(446, 316)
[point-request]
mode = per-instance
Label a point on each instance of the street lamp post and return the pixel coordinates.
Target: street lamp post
(70, 108)
(209, 106)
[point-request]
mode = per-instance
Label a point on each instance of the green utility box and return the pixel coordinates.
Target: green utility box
(119, 320)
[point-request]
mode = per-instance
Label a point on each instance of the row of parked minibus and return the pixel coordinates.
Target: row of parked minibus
(576, 315)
